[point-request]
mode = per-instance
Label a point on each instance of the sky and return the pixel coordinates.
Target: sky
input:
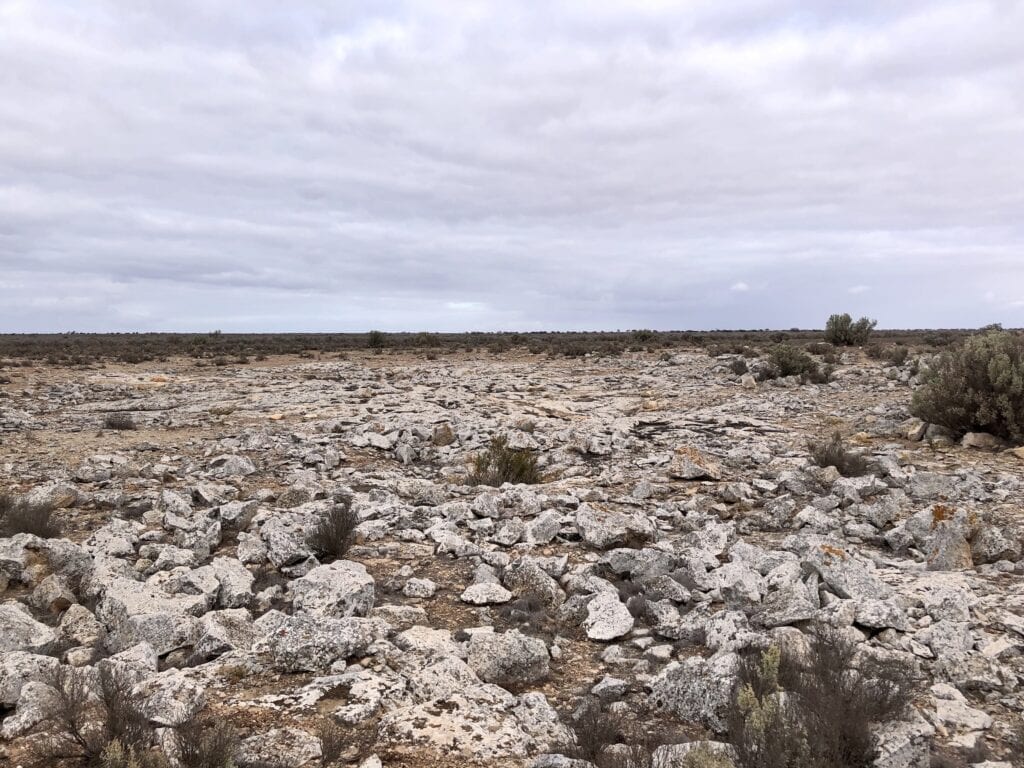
(257, 165)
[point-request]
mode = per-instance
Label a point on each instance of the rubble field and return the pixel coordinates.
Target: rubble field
(679, 524)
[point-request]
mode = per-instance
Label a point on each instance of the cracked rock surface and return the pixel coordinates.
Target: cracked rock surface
(680, 523)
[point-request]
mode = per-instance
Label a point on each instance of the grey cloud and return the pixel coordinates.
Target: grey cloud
(268, 166)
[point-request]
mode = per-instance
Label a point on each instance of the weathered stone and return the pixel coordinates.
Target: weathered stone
(607, 618)
(508, 658)
(341, 588)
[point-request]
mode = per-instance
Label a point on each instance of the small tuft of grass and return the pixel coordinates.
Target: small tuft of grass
(334, 532)
(832, 453)
(500, 464)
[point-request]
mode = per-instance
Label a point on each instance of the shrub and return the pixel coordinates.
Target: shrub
(333, 740)
(206, 742)
(334, 532)
(500, 464)
(375, 340)
(786, 360)
(842, 330)
(612, 739)
(815, 712)
(738, 366)
(118, 421)
(80, 724)
(832, 453)
(19, 515)
(977, 386)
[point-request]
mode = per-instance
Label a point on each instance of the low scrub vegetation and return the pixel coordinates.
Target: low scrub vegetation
(614, 739)
(334, 532)
(19, 515)
(977, 386)
(817, 711)
(500, 464)
(785, 360)
(833, 453)
(119, 420)
(842, 330)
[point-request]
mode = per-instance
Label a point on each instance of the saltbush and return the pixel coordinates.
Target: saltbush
(977, 386)
(842, 330)
(502, 464)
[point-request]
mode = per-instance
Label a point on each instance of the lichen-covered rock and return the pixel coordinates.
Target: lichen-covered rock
(338, 589)
(697, 689)
(508, 658)
(607, 617)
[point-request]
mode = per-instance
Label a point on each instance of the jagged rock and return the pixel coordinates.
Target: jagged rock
(508, 658)
(312, 643)
(602, 529)
(284, 747)
(607, 618)
(341, 588)
(690, 464)
(697, 689)
(485, 593)
(903, 743)
(172, 697)
(231, 466)
(20, 667)
(133, 612)
(23, 633)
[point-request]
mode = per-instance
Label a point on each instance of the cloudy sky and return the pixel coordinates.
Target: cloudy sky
(265, 165)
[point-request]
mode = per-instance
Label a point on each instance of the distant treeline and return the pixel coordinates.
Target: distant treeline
(221, 348)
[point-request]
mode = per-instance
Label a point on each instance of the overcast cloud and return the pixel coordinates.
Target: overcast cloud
(265, 165)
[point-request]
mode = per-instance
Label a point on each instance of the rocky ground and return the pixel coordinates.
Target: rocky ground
(680, 521)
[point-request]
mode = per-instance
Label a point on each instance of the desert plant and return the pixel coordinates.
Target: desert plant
(333, 739)
(843, 331)
(334, 532)
(375, 340)
(977, 385)
(116, 755)
(816, 711)
(786, 360)
(738, 366)
(80, 723)
(119, 420)
(206, 742)
(19, 515)
(833, 453)
(500, 464)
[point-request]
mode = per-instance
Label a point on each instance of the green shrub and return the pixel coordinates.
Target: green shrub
(786, 360)
(832, 453)
(375, 340)
(842, 330)
(816, 711)
(501, 464)
(977, 386)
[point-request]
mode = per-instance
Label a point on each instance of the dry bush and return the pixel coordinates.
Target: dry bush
(616, 739)
(500, 464)
(334, 532)
(79, 723)
(19, 515)
(119, 421)
(333, 740)
(816, 712)
(832, 453)
(977, 386)
(528, 611)
(207, 742)
(786, 360)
